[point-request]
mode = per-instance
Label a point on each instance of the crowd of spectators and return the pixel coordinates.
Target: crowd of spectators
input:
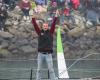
(66, 9)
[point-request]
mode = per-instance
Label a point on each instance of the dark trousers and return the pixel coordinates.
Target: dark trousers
(25, 12)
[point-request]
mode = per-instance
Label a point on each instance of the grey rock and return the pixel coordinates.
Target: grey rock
(4, 53)
(27, 49)
(15, 27)
(78, 19)
(6, 35)
(4, 44)
(25, 35)
(22, 24)
(12, 47)
(23, 42)
(89, 24)
(8, 22)
(15, 23)
(19, 34)
(14, 14)
(14, 39)
(13, 31)
(98, 30)
(25, 27)
(1, 39)
(22, 28)
(76, 32)
(90, 34)
(16, 51)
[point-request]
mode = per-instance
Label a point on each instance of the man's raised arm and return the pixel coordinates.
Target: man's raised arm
(35, 25)
(54, 22)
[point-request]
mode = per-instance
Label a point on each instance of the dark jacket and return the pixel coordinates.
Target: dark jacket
(45, 38)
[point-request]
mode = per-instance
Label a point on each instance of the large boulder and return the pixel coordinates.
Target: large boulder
(90, 34)
(4, 53)
(76, 32)
(25, 35)
(27, 49)
(23, 42)
(14, 31)
(6, 35)
(78, 19)
(8, 22)
(15, 14)
(4, 44)
(12, 47)
(98, 30)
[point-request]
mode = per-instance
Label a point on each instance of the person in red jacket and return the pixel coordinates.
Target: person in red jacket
(65, 15)
(76, 4)
(45, 46)
(25, 7)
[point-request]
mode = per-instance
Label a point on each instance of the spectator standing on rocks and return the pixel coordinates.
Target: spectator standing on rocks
(33, 4)
(52, 7)
(3, 16)
(41, 6)
(76, 4)
(61, 4)
(25, 7)
(10, 4)
(45, 46)
(87, 3)
(65, 15)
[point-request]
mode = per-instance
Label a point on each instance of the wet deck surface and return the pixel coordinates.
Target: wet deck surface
(21, 69)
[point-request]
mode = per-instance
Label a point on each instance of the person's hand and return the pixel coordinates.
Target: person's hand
(57, 13)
